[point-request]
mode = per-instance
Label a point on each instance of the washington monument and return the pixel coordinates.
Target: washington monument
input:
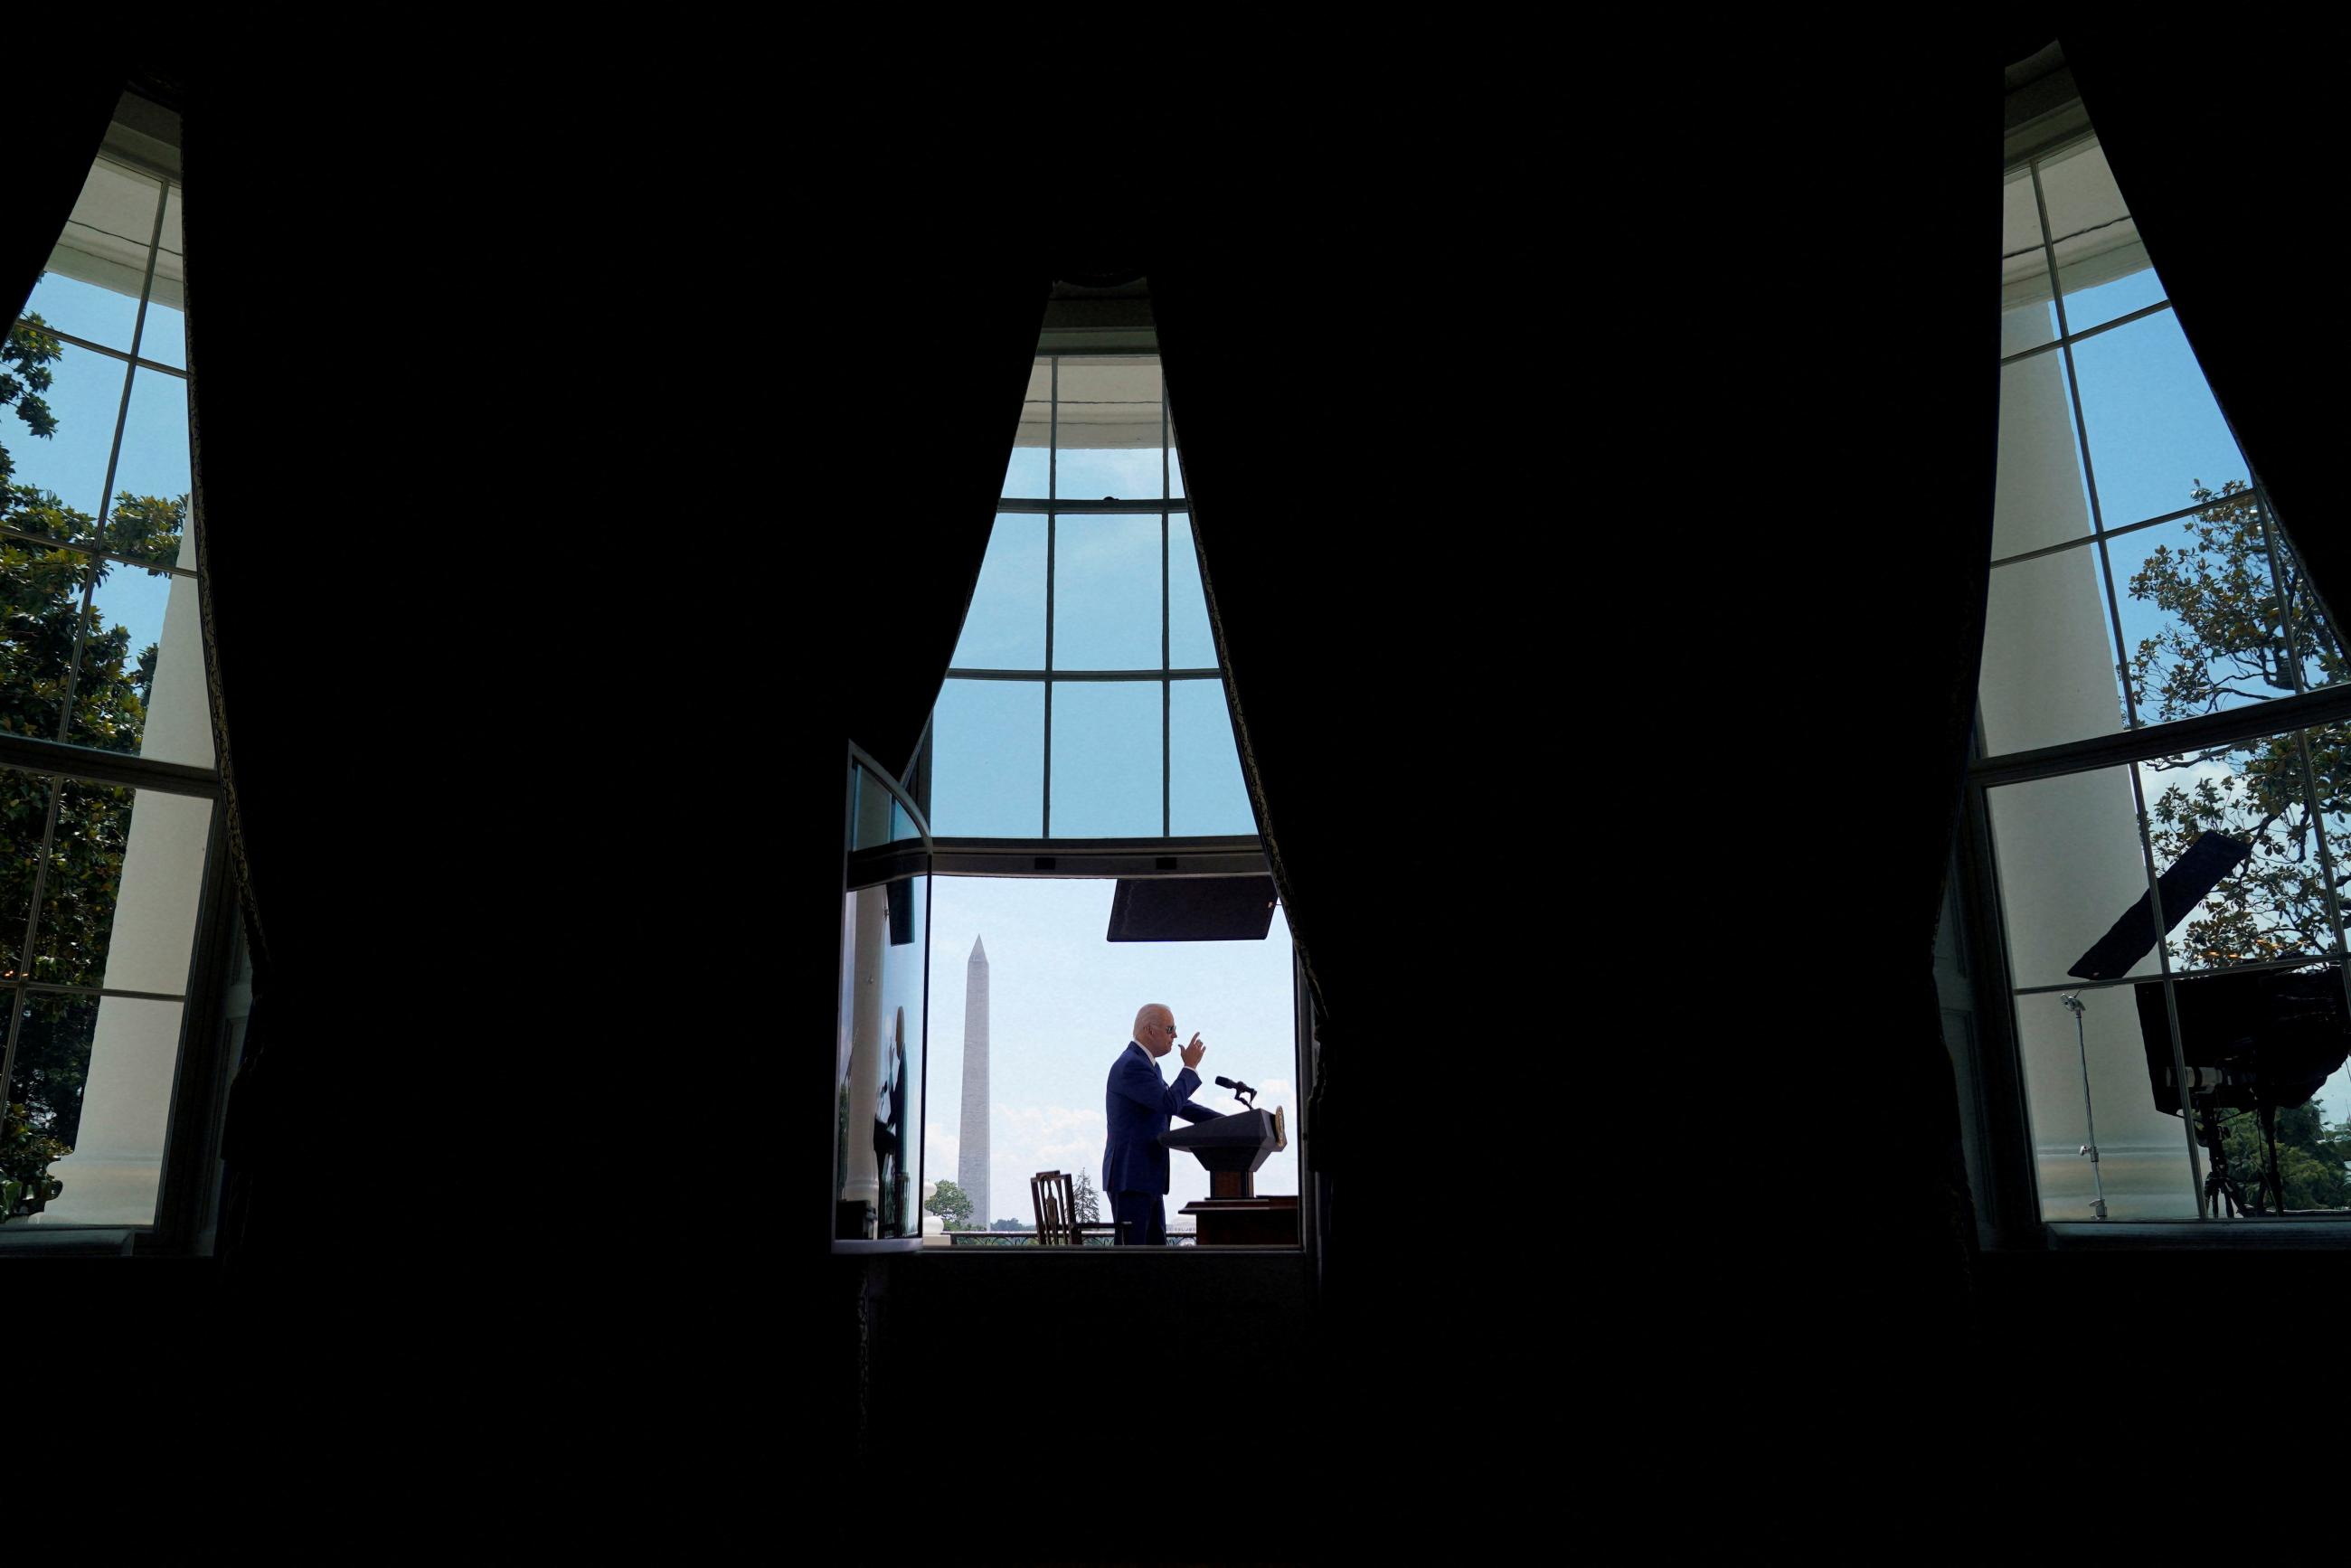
(971, 1154)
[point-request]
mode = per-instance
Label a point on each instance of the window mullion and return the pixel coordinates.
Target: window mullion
(1052, 489)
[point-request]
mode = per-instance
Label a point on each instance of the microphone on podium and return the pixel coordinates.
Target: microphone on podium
(1241, 1092)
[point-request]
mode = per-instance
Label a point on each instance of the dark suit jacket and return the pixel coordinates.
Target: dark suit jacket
(1138, 1106)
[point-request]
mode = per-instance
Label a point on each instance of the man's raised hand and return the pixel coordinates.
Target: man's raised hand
(1194, 1052)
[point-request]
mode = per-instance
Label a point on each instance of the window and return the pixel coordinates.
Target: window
(1084, 700)
(1031, 1004)
(2162, 723)
(111, 902)
(1080, 743)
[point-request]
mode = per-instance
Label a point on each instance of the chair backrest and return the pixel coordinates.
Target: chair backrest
(1056, 1204)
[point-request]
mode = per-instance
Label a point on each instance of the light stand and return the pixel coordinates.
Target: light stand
(2082, 1044)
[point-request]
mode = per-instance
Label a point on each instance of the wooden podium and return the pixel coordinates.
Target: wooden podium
(1232, 1147)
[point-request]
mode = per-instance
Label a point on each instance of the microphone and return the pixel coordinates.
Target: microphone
(1246, 1095)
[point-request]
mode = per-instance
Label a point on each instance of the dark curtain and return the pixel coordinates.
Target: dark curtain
(967, 339)
(1597, 546)
(2230, 193)
(1603, 604)
(560, 530)
(61, 115)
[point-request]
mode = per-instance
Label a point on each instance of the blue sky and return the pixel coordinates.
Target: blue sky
(988, 778)
(85, 396)
(2153, 431)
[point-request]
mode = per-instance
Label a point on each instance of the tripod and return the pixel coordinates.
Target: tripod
(2220, 1184)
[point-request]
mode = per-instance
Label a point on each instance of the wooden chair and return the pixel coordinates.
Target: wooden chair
(1054, 1197)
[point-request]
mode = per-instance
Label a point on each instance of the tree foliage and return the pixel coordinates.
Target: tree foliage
(46, 692)
(2235, 606)
(24, 1155)
(2241, 623)
(2311, 1156)
(952, 1204)
(1085, 1200)
(26, 356)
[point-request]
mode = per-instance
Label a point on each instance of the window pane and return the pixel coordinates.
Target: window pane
(2039, 498)
(52, 1060)
(2200, 617)
(85, 310)
(2092, 305)
(2322, 660)
(2252, 1038)
(154, 460)
(2048, 670)
(2275, 904)
(1106, 775)
(868, 814)
(987, 768)
(2142, 1165)
(105, 246)
(142, 687)
(2070, 868)
(119, 895)
(39, 512)
(84, 398)
(1026, 474)
(877, 818)
(897, 1126)
(1190, 646)
(1005, 628)
(1174, 461)
(2026, 319)
(1108, 430)
(2155, 434)
(2101, 264)
(878, 1086)
(2079, 191)
(130, 1047)
(2330, 759)
(40, 590)
(1106, 592)
(24, 813)
(1205, 792)
(1057, 999)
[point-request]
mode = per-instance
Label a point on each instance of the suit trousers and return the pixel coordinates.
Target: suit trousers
(1145, 1217)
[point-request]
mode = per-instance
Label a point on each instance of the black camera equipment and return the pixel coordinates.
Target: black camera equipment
(2262, 1040)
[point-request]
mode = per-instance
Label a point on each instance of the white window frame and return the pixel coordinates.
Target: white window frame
(2047, 119)
(145, 136)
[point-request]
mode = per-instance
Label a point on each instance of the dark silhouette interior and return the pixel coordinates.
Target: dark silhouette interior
(1659, 438)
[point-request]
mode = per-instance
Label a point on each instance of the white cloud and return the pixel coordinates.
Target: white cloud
(1025, 1139)
(1048, 1137)
(1035, 1121)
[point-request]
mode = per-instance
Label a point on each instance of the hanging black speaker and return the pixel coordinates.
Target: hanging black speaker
(1192, 909)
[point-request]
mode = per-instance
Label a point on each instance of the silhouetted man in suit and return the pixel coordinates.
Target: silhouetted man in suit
(1139, 1104)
